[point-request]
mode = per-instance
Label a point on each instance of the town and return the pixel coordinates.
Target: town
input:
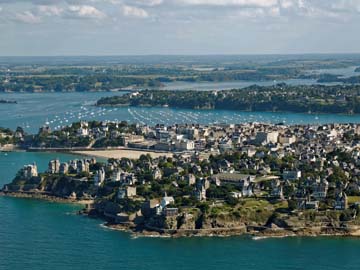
(248, 174)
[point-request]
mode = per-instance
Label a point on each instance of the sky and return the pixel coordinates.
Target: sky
(181, 27)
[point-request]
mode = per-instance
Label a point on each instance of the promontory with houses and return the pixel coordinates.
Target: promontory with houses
(218, 179)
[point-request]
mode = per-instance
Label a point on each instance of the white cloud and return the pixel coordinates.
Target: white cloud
(254, 13)
(131, 11)
(274, 11)
(86, 11)
(50, 10)
(181, 10)
(301, 4)
(248, 13)
(286, 3)
(150, 3)
(346, 5)
(27, 17)
(247, 3)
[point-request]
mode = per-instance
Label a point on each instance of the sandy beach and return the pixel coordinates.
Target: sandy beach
(121, 153)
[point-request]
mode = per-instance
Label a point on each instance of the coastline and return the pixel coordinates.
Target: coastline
(231, 232)
(44, 197)
(135, 230)
(223, 109)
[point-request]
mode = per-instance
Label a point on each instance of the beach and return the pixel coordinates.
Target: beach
(121, 153)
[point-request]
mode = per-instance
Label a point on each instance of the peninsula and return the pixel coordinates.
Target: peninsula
(258, 179)
(278, 98)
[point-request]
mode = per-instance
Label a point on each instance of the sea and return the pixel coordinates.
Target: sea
(61, 109)
(37, 235)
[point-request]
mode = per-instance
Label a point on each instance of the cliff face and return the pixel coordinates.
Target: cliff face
(23, 185)
(193, 221)
(253, 216)
(54, 185)
(225, 222)
(188, 221)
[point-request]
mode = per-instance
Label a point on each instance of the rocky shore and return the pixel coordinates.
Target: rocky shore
(45, 197)
(227, 230)
(143, 229)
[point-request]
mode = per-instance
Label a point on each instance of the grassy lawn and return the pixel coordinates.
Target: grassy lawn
(255, 204)
(259, 204)
(353, 199)
(250, 210)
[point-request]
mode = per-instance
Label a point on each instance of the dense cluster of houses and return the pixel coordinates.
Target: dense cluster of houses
(309, 164)
(221, 137)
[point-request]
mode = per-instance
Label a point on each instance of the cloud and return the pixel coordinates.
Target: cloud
(50, 10)
(86, 11)
(247, 13)
(274, 11)
(27, 17)
(149, 3)
(254, 13)
(286, 4)
(346, 5)
(136, 12)
(168, 11)
(243, 3)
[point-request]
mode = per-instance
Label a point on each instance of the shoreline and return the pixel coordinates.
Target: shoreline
(121, 153)
(232, 110)
(44, 197)
(223, 232)
(116, 90)
(144, 231)
(99, 153)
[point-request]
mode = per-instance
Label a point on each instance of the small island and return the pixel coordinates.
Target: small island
(257, 179)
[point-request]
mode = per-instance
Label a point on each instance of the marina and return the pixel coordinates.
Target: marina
(60, 109)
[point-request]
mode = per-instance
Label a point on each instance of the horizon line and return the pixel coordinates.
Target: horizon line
(162, 55)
